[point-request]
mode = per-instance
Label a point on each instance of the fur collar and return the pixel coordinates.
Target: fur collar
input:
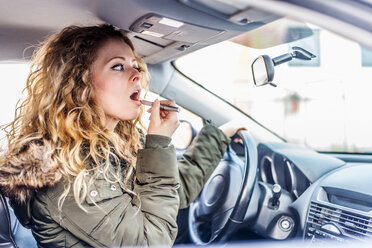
(32, 169)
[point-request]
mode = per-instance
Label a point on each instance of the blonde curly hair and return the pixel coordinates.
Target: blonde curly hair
(60, 108)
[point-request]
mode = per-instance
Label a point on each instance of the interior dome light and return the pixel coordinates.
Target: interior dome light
(170, 22)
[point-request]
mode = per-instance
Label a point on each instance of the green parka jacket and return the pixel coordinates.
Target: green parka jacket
(112, 217)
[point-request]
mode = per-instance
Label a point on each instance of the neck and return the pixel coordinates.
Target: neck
(111, 123)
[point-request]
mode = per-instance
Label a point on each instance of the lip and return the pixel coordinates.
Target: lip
(136, 102)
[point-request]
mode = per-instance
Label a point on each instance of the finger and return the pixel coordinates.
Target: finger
(164, 112)
(168, 102)
(155, 110)
(169, 115)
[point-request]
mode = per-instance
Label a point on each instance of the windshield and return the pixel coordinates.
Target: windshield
(323, 103)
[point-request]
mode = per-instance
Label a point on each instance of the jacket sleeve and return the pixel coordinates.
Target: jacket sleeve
(115, 218)
(199, 161)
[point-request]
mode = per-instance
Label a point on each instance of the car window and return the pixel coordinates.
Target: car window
(323, 104)
(182, 135)
(12, 82)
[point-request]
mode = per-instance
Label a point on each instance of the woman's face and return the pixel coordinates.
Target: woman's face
(116, 82)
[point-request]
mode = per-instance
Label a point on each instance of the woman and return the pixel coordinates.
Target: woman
(77, 169)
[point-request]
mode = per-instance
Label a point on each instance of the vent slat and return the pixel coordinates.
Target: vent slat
(338, 211)
(314, 223)
(358, 232)
(367, 228)
(342, 225)
(354, 226)
(353, 236)
(364, 225)
(345, 234)
(345, 216)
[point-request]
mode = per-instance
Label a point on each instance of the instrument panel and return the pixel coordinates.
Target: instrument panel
(275, 168)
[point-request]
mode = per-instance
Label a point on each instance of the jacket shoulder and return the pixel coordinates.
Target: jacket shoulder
(29, 170)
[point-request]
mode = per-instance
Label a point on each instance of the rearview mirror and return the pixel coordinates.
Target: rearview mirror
(263, 70)
(263, 66)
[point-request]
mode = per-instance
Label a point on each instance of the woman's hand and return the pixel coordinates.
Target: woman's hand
(232, 127)
(162, 122)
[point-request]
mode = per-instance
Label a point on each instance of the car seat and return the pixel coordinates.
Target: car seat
(12, 233)
(6, 236)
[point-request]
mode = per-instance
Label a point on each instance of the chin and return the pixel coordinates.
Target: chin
(131, 117)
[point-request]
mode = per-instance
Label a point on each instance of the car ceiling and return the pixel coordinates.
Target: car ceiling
(24, 24)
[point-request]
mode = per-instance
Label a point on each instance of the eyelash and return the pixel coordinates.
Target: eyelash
(122, 68)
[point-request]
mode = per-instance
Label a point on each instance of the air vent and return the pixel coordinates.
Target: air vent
(351, 225)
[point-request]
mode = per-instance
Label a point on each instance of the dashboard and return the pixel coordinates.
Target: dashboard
(322, 197)
(340, 205)
(303, 194)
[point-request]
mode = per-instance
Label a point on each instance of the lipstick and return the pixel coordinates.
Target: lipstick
(163, 106)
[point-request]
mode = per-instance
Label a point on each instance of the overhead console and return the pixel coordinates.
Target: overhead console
(162, 35)
(159, 36)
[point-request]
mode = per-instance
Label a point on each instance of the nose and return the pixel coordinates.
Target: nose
(136, 76)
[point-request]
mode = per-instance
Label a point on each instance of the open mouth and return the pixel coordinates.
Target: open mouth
(136, 95)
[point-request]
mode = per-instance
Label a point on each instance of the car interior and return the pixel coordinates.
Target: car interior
(268, 186)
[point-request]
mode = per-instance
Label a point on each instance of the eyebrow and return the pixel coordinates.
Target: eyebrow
(120, 57)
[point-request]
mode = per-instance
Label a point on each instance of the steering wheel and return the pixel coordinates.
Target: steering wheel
(225, 198)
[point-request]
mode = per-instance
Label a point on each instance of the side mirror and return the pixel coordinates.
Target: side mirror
(263, 66)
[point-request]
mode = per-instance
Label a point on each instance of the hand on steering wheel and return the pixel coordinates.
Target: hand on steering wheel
(232, 127)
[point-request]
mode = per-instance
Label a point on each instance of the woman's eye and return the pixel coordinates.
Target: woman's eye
(138, 69)
(118, 67)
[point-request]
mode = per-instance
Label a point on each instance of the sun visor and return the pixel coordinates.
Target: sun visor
(279, 32)
(236, 11)
(156, 34)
